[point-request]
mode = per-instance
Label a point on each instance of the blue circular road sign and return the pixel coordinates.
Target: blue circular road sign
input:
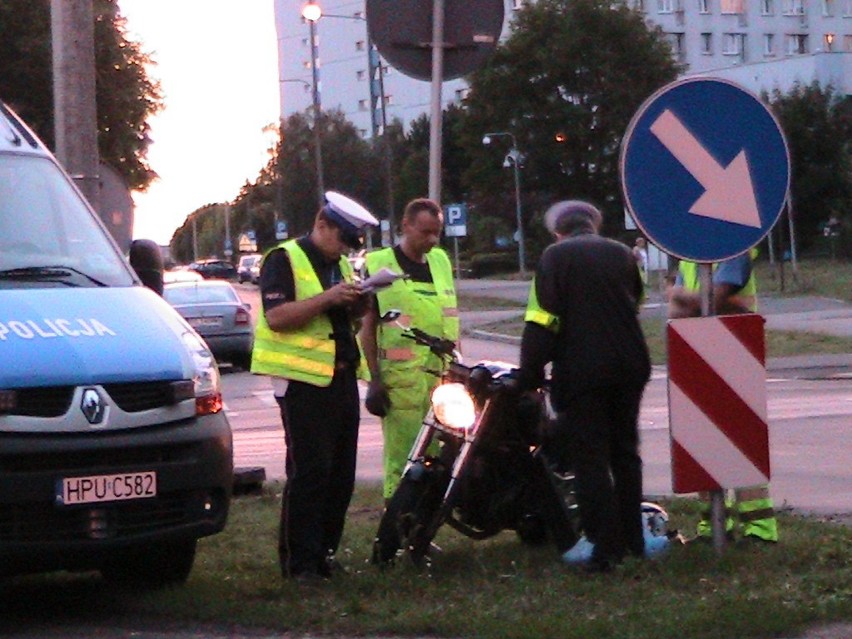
(705, 169)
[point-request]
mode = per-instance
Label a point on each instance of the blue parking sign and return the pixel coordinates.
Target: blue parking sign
(455, 220)
(705, 169)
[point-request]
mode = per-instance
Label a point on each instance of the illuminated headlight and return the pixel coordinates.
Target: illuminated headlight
(208, 390)
(453, 406)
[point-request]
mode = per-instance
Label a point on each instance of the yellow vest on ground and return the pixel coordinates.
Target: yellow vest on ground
(307, 354)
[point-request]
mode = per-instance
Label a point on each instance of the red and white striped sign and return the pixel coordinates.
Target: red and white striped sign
(717, 403)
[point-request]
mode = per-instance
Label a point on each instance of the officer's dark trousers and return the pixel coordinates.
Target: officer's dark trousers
(602, 432)
(321, 434)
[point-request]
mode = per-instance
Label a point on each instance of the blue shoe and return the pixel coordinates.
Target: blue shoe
(656, 547)
(580, 554)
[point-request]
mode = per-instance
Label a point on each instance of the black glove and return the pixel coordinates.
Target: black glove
(377, 401)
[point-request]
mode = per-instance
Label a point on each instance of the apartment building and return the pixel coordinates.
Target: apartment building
(761, 44)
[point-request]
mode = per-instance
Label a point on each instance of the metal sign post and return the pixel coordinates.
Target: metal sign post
(705, 184)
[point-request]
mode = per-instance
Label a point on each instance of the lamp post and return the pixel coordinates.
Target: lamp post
(513, 158)
(311, 12)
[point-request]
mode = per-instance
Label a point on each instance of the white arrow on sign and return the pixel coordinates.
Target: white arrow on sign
(728, 191)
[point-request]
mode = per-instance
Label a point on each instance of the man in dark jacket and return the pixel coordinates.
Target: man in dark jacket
(583, 318)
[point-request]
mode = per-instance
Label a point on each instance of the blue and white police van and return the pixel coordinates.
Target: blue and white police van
(115, 452)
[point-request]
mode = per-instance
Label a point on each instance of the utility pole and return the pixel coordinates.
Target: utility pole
(75, 107)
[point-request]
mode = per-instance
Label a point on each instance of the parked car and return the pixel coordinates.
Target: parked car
(214, 269)
(181, 274)
(215, 311)
(248, 269)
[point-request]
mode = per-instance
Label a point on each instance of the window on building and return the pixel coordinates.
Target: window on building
(363, 132)
(828, 42)
(305, 43)
(675, 41)
(797, 43)
(639, 6)
(828, 8)
(360, 74)
(358, 15)
(703, 6)
(306, 65)
(360, 45)
(518, 4)
(732, 7)
(847, 9)
(732, 43)
(362, 105)
(388, 100)
(665, 6)
(707, 44)
(767, 7)
(769, 44)
(794, 7)
(847, 43)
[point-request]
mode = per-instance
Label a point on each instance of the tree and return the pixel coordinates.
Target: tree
(126, 96)
(817, 123)
(576, 69)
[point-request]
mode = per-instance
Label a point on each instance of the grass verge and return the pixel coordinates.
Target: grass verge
(497, 588)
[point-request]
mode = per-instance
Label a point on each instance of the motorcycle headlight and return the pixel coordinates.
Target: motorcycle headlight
(208, 391)
(453, 406)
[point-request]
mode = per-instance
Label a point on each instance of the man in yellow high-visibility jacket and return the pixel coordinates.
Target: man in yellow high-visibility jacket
(400, 384)
(734, 291)
(305, 340)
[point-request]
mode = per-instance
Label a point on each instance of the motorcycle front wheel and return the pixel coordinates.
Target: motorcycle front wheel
(406, 520)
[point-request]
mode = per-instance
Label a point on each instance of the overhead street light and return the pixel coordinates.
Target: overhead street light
(513, 159)
(311, 12)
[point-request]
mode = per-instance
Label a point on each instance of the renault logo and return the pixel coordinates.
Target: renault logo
(93, 406)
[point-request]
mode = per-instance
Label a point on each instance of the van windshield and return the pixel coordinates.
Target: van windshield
(48, 237)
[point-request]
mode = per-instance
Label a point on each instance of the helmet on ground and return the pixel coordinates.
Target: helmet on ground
(655, 520)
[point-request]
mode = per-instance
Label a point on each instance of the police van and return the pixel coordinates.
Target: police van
(115, 452)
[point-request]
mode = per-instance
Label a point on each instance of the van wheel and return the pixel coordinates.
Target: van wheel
(152, 565)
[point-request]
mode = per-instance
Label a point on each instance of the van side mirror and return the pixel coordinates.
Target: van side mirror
(147, 260)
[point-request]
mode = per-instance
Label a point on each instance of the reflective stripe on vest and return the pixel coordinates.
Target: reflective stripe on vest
(431, 307)
(537, 315)
(307, 354)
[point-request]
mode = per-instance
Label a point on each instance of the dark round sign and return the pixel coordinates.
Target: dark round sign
(402, 32)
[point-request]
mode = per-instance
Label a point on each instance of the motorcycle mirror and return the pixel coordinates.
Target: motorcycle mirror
(391, 316)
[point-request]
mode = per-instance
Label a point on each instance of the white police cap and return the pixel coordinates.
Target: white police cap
(349, 210)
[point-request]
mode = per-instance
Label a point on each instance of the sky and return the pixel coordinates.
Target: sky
(218, 69)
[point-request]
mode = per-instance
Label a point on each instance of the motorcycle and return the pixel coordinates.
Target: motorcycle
(490, 472)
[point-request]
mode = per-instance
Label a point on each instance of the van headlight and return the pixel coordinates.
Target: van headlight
(208, 387)
(453, 406)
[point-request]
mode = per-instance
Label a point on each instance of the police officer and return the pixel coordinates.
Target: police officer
(305, 339)
(400, 384)
(734, 291)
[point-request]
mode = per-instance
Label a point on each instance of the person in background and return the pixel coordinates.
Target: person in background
(734, 291)
(583, 317)
(400, 381)
(305, 340)
(640, 252)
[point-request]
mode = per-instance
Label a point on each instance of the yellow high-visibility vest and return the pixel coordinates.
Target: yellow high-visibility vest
(308, 353)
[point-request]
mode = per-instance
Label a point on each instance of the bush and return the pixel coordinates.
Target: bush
(492, 263)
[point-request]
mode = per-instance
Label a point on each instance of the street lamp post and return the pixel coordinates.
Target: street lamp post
(513, 157)
(311, 12)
